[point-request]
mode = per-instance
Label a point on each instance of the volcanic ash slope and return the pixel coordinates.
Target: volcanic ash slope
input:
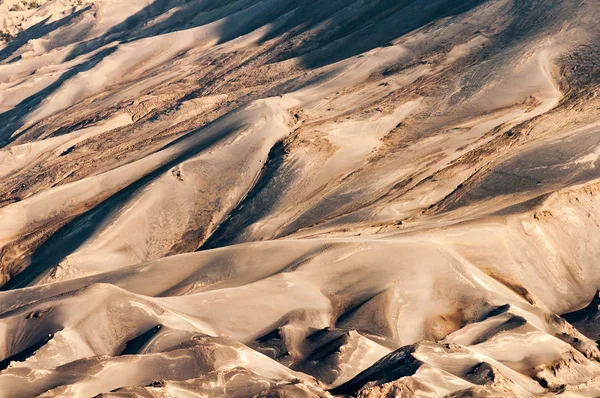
(280, 198)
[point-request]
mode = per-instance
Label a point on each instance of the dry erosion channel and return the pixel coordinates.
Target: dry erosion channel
(299, 198)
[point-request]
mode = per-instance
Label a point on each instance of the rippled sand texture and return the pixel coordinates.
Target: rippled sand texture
(298, 198)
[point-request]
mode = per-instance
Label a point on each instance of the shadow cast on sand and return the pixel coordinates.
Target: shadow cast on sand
(76, 232)
(38, 31)
(322, 35)
(14, 119)
(345, 29)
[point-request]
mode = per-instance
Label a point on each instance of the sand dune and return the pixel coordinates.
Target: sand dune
(277, 198)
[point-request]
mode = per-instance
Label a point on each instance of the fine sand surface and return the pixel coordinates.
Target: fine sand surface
(280, 198)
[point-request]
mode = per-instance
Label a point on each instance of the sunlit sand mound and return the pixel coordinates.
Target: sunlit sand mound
(277, 198)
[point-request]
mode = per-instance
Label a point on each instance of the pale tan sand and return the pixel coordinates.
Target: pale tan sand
(277, 198)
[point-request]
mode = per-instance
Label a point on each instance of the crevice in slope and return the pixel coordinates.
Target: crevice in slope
(134, 345)
(225, 234)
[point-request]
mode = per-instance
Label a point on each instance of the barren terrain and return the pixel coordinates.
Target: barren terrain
(298, 198)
